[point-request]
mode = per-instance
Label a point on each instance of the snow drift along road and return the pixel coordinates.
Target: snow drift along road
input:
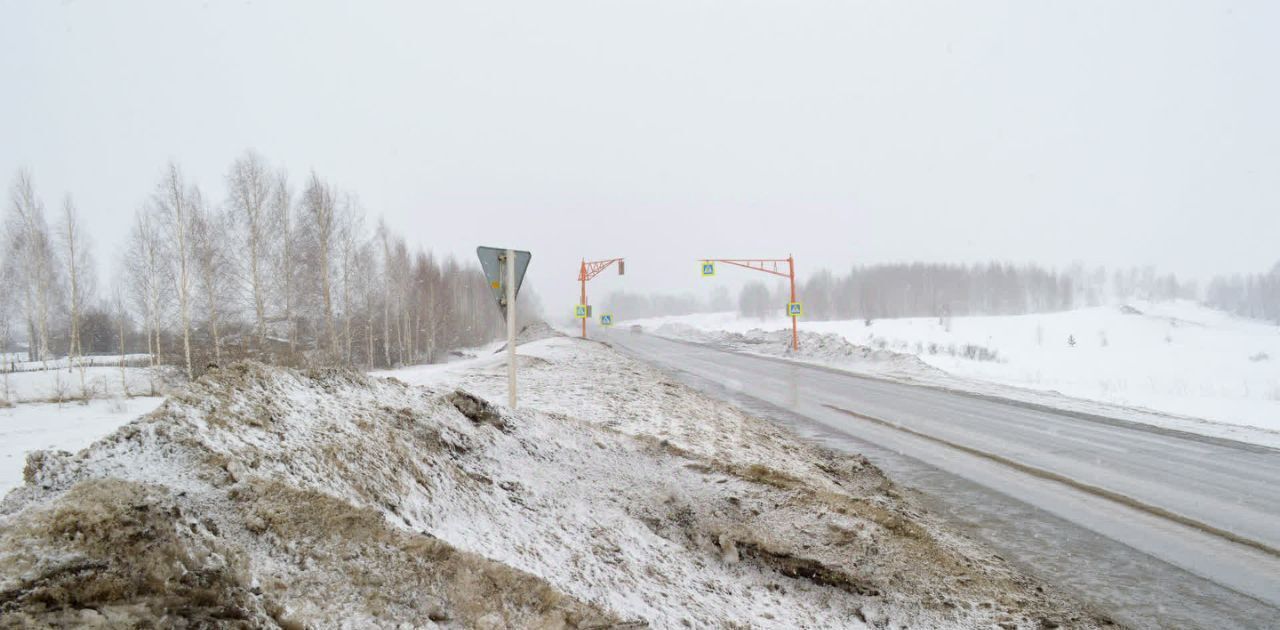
(276, 498)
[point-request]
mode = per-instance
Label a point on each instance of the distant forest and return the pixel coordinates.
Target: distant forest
(266, 268)
(1250, 295)
(937, 290)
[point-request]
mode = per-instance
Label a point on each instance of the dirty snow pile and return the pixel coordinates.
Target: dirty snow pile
(268, 497)
(272, 498)
(752, 526)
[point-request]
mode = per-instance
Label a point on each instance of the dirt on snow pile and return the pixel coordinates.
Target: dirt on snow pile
(264, 497)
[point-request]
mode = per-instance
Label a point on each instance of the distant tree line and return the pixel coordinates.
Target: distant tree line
(941, 290)
(282, 273)
(1254, 295)
(918, 290)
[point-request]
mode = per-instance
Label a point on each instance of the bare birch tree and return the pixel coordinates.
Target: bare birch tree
(212, 267)
(319, 211)
(6, 284)
(31, 251)
(173, 205)
(147, 280)
(350, 242)
(285, 261)
(250, 188)
(384, 238)
(79, 265)
(367, 272)
(120, 310)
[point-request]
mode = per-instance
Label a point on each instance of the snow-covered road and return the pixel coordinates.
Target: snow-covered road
(1207, 483)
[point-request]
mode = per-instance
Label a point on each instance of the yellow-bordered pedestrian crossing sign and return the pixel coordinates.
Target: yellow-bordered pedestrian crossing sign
(606, 320)
(581, 311)
(708, 268)
(794, 309)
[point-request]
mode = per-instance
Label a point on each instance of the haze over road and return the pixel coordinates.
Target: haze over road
(1156, 527)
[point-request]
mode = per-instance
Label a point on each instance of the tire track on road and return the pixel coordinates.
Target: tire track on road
(1068, 481)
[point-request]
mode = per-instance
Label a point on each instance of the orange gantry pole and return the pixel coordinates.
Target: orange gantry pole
(773, 266)
(795, 321)
(582, 277)
(589, 270)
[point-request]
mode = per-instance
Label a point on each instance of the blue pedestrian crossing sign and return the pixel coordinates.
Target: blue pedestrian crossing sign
(606, 320)
(582, 311)
(794, 309)
(708, 268)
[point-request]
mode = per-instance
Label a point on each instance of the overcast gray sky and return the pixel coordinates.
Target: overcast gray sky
(1116, 132)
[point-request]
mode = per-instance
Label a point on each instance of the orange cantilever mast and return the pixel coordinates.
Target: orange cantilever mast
(773, 266)
(767, 265)
(589, 270)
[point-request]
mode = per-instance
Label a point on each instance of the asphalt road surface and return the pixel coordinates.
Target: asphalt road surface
(1152, 527)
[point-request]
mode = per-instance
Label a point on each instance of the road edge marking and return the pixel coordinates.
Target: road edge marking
(1078, 485)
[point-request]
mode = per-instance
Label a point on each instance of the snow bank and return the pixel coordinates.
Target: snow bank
(287, 492)
(832, 514)
(823, 348)
(280, 498)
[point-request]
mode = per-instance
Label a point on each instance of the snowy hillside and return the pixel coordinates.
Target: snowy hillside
(612, 499)
(1174, 357)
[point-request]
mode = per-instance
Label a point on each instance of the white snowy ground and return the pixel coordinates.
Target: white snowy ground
(18, 361)
(30, 419)
(63, 383)
(564, 377)
(1174, 358)
(69, 427)
(330, 499)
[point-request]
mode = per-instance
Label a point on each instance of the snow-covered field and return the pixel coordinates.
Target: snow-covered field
(31, 418)
(612, 498)
(1174, 357)
(67, 427)
(65, 384)
(18, 361)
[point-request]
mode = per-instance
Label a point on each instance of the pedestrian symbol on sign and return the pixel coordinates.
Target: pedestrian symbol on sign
(708, 269)
(606, 320)
(580, 311)
(794, 309)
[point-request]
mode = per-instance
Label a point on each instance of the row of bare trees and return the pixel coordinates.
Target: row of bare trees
(1254, 295)
(933, 289)
(39, 262)
(267, 271)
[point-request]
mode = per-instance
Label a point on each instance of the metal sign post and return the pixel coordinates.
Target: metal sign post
(504, 270)
(589, 270)
(509, 262)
